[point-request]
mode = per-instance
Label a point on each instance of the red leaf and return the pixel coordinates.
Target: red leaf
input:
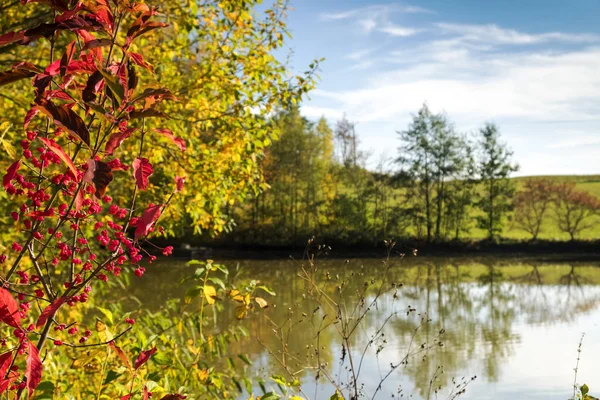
(11, 173)
(67, 57)
(64, 116)
(145, 393)
(9, 309)
(58, 94)
(152, 95)
(79, 200)
(143, 25)
(116, 139)
(148, 219)
(101, 13)
(29, 116)
(179, 181)
(95, 43)
(126, 397)
(99, 174)
(33, 372)
(121, 354)
(5, 361)
(56, 149)
(49, 311)
(14, 74)
(11, 37)
(142, 171)
(169, 135)
(144, 357)
(94, 85)
(12, 375)
(139, 60)
(85, 63)
(41, 83)
(94, 51)
(174, 396)
(53, 69)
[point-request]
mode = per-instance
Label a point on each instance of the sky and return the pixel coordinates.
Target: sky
(530, 66)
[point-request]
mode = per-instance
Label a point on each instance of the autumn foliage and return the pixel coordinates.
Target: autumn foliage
(531, 205)
(87, 103)
(574, 208)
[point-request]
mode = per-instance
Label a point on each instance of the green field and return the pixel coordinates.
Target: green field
(550, 231)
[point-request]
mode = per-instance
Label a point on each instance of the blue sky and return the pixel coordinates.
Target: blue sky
(532, 67)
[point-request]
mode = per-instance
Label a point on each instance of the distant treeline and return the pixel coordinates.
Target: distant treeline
(441, 185)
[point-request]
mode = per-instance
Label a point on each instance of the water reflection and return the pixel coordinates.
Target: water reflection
(486, 308)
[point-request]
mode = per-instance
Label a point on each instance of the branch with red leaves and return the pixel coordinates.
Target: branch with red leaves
(86, 107)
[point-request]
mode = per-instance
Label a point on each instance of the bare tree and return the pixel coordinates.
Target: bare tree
(574, 209)
(531, 205)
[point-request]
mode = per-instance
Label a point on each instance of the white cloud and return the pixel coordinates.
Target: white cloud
(539, 86)
(376, 9)
(396, 30)
(318, 112)
(362, 65)
(495, 34)
(575, 139)
(359, 54)
(368, 24)
(543, 96)
(339, 15)
(371, 17)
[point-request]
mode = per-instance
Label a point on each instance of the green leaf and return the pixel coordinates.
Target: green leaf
(336, 396)
(584, 389)
(192, 293)
(162, 359)
(113, 83)
(245, 359)
(270, 396)
(110, 376)
(217, 282)
(221, 268)
(279, 380)
(266, 289)
(107, 313)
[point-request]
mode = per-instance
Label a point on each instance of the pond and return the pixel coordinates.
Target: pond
(515, 324)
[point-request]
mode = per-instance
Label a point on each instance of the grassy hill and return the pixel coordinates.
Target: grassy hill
(588, 183)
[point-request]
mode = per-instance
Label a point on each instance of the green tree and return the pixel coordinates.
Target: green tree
(298, 170)
(494, 167)
(416, 160)
(462, 190)
(433, 156)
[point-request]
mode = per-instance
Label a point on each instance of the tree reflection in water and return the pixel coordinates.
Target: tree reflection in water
(481, 304)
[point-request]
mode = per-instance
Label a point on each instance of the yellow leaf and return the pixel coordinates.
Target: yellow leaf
(203, 374)
(210, 293)
(103, 331)
(240, 312)
(236, 295)
(261, 302)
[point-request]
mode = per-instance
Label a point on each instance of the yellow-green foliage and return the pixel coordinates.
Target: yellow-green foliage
(217, 57)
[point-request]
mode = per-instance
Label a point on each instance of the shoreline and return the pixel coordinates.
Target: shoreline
(540, 250)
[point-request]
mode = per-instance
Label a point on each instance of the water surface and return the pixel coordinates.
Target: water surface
(515, 324)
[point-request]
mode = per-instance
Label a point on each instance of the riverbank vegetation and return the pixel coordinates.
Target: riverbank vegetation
(442, 186)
